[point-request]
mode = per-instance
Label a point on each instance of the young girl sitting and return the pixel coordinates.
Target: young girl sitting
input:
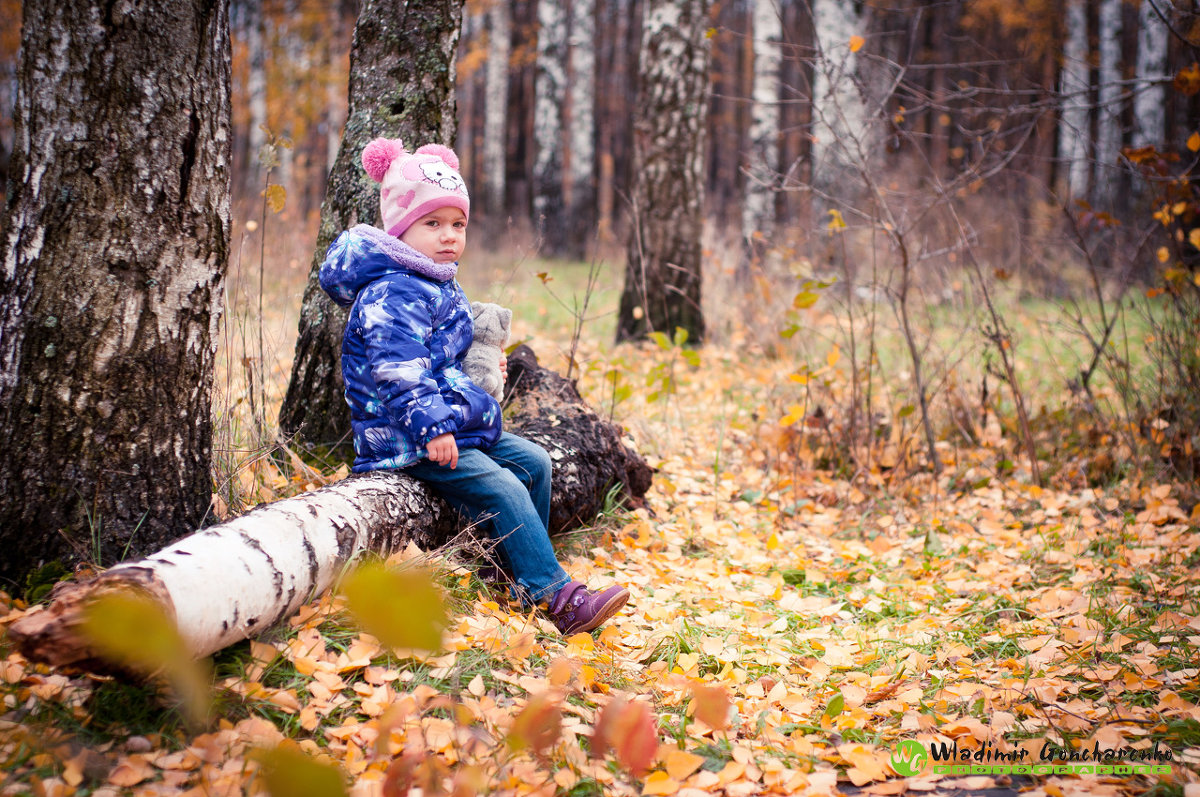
(411, 405)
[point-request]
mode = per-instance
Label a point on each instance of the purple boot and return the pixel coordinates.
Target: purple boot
(576, 608)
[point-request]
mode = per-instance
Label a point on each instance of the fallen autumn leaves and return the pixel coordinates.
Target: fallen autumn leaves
(819, 620)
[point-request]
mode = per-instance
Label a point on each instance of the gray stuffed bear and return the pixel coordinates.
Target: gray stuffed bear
(482, 361)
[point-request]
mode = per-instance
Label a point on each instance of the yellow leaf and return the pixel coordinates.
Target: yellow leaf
(1194, 237)
(834, 355)
(1163, 254)
(856, 43)
(580, 643)
(1193, 142)
(660, 783)
(276, 196)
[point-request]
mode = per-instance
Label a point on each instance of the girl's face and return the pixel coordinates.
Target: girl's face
(441, 235)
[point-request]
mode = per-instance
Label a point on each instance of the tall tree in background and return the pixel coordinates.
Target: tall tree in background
(401, 86)
(841, 138)
(762, 166)
(581, 129)
(250, 25)
(549, 218)
(663, 256)
(495, 125)
(1111, 95)
(1149, 103)
(1074, 132)
(115, 245)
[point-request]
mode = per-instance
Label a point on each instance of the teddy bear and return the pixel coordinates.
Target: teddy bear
(482, 360)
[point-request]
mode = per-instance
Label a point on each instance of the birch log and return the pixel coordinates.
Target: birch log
(232, 581)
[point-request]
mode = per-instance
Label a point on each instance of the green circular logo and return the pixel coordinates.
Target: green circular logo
(909, 758)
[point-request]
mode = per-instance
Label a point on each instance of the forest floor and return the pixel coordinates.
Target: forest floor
(801, 622)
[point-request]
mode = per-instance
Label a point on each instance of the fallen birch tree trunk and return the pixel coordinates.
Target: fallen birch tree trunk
(232, 581)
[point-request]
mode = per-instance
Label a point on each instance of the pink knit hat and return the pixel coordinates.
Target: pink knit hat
(413, 184)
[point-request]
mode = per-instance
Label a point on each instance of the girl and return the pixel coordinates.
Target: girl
(411, 405)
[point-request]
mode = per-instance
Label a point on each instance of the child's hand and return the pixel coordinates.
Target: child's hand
(443, 450)
(503, 367)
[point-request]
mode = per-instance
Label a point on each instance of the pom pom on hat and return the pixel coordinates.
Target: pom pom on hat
(378, 156)
(445, 153)
(413, 184)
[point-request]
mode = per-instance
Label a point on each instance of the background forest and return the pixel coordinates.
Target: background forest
(927, 459)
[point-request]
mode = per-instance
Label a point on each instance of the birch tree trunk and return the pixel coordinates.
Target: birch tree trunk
(1108, 128)
(495, 140)
(550, 95)
(235, 580)
(114, 250)
(1149, 103)
(401, 86)
(1074, 129)
(762, 166)
(663, 256)
(841, 141)
(581, 154)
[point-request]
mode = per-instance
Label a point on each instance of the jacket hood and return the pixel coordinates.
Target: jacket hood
(364, 253)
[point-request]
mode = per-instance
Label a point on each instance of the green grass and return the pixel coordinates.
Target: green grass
(547, 295)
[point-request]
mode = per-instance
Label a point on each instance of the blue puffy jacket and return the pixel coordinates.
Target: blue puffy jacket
(410, 325)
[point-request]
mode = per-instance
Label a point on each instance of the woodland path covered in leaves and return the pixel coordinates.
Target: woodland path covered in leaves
(837, 617)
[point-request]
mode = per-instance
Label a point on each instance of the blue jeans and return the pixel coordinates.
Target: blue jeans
(508, 485)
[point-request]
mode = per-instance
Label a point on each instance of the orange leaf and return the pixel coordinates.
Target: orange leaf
(538, 726)
(681, 763)
(711, 704)
(129, 772)
(628, 729)
(856, 43)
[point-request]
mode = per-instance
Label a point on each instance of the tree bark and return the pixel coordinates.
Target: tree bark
(663, 258)
(1105, 188)
(235, 580)
(114, 251)
(401, 86)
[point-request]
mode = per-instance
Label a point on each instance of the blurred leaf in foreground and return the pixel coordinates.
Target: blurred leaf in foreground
(538, 726)
(133, 630)
(402, 608)
(290, 772)
(627, 727)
